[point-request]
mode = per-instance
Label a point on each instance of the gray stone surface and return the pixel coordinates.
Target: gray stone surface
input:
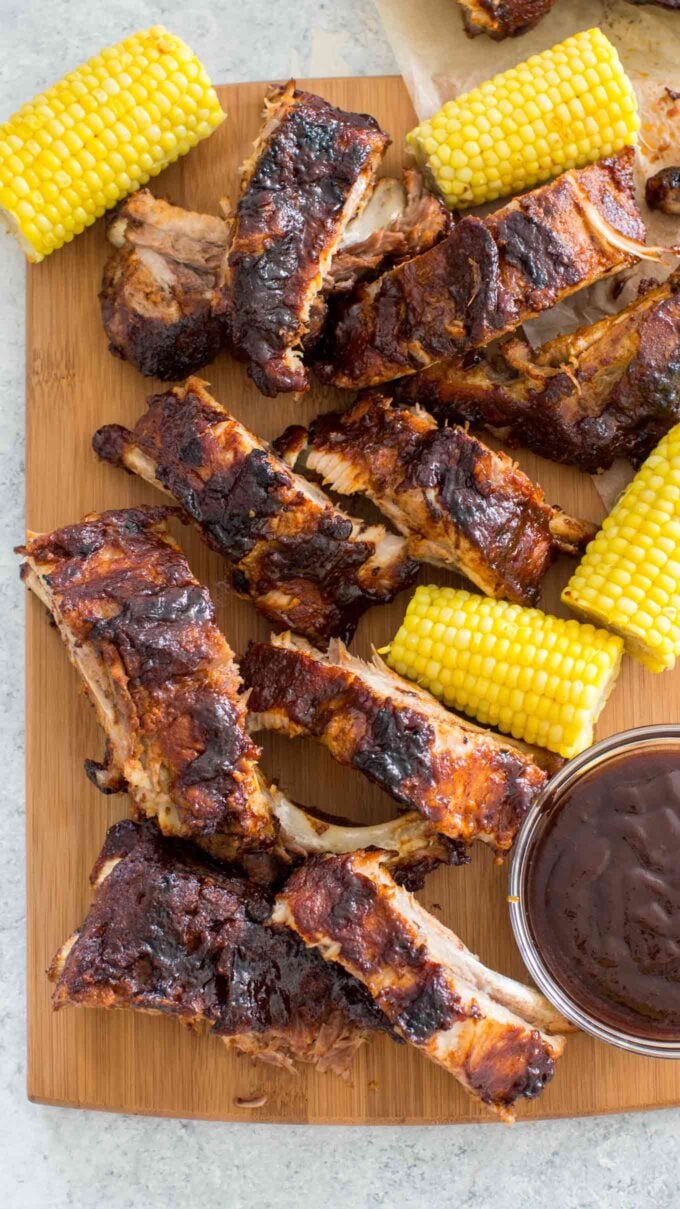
(61, 1158)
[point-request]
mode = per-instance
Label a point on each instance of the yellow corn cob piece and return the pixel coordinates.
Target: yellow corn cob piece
(562, 109)
(535, 677)
(100, 133)
(629, 576)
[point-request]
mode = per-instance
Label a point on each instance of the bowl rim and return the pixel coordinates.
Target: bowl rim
(592, 757)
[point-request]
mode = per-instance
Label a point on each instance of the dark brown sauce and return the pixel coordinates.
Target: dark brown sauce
(603, 893)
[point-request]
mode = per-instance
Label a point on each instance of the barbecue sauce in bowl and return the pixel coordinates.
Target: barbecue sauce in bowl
(601, 891)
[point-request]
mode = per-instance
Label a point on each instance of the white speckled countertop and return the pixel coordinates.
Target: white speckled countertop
(59, 1157)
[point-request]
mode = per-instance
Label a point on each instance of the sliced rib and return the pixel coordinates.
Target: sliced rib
(311, 171)
(170, 931)
(140, 630)
(162, 296)
(466, 782)
(502, 18)
(494, 1035)
(459, 504)
(610, 390)
(488, 276)
(303, 562)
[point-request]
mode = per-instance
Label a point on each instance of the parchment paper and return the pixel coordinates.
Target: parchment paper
(438, 61)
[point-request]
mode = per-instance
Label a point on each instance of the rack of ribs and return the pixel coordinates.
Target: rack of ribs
(466, 782)
(162, 297)
(311, 171)
(459, 504)
(502, 18)
(610, 390)
(171, 931)
(498, 1038)
(488, 276)
(304, 563)
(140, 629)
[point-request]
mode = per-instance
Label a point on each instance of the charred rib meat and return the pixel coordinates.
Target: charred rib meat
(303, 562)
(311, 171)
(140, 630)
(488, 276)
(459, 504)
(502, 18)
(170, 931)
(465, 781)
(162, 300)
(662, 191)
(607, 391)
(497, 1037)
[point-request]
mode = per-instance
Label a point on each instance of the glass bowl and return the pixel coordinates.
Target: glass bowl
(661, 737)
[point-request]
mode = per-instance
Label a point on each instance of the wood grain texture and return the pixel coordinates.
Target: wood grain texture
(151, 1065)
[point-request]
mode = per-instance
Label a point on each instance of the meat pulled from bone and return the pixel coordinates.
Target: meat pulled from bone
(162, 296)
(303, 562)
(459, 504)
(468, 783)
(170, 931)
(411, 846)
(140, 629)
(311, 171)
(488, 276)
(498, 1038)
(610, 390)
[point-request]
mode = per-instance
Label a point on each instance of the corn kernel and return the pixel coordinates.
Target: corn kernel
(638, 545)
(122, 117)
(547, 685)
(572, 105)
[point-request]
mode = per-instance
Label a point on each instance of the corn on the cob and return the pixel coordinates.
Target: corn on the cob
(101, 132)
(536, 677)
(629, 577)
(561, 109)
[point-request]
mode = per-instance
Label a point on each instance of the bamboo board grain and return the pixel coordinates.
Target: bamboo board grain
(143, 1064)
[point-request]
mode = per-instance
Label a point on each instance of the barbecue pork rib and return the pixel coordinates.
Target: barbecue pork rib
(311, 171)
(466, 782)
(458, 503)
(502, 18)
(488, 276)
(140, 630)
(171, 931)
(497, 1037)
(610, 390)
(162, 297)
(400, 220)
(303, 562)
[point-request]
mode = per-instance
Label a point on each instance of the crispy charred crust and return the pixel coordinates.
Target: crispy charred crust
(605, 392)
(302, 561)
(456, 500)
(662, 191)
(162, 303)
(502, 18)
(327, 898)
(468, 784)
(157, 348)
(355, 916)
(171, 931)
(299, 193)
(131, 611)
(485, 278)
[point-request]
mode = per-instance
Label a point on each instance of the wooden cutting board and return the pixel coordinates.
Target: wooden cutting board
(146, 1064)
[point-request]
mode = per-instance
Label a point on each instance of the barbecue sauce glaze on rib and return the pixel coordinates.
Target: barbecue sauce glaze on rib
(603, 893)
